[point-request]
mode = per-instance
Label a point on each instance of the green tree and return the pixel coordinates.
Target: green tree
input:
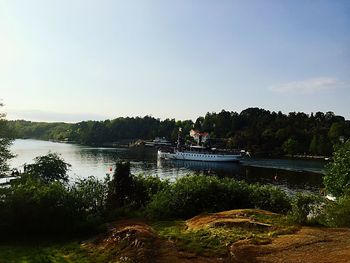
(120, 187)
(49, 168)
(337, 178)
(91, 194)
(336, 131)
(319, 145)
(5, 142)
(259, 130)
(291, 146)
(313, 145)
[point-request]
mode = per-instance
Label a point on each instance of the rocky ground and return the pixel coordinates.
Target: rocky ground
(239, 235)
(309, 245)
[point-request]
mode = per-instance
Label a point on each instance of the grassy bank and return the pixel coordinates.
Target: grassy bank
(134, 240)
(35, 251)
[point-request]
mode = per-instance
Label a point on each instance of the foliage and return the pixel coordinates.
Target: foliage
(319, 145)
(269, 198)
(127, 190)
(49, 168)
(5, 142)
(120, 187)
(291, 146)
(38, 203)
(337, 178)
(90, 195)
(307, 208)
(44, 252)
(145, 188)
(338, 212)
(336, 131)
(256, 130)
(5, 154)
(192, 195)
(30, 205)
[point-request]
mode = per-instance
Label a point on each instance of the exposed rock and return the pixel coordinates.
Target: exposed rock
(135, 241)
(309, 245)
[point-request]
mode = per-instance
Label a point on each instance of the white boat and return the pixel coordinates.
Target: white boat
(199, 153)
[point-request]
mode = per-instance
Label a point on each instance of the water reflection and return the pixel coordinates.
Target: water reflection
(298, 165)
(86, 161)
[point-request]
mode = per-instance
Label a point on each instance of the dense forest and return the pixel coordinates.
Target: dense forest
(256, 130)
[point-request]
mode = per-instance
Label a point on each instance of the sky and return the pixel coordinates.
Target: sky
(74, 60)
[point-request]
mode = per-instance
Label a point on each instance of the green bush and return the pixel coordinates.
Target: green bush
(186, 197)
(30, 205)
(144, 189)
(337, 178)
(194, 194)
(129, 191)
(338, 212)
(307, 209)
(269, 198)
(90, 195)
(234, 194)
(120, 187)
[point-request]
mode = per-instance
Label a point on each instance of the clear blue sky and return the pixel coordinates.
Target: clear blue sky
(70, 60)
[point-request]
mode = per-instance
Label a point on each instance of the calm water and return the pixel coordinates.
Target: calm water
(292, 175)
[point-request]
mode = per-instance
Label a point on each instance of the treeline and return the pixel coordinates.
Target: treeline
(254, 129)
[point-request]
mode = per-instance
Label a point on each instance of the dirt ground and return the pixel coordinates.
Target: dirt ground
(135, 241)
(309, 245)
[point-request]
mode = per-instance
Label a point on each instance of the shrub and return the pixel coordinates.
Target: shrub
(34, 206)
(144, 189)
(128, 191)
(233, 195)
(307, 209)
(337, 178)
(338, 212)
(269, 198)
(120, 187)
(30, 205)
(90, 195)
(193, 194)
(186, 197)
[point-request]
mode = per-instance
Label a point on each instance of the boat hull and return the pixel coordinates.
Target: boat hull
(195, 156)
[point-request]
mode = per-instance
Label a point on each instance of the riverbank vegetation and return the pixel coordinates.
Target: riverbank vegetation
(43, 215)
(46, 204)
(256, 130)
(5, 142)
(42, 200)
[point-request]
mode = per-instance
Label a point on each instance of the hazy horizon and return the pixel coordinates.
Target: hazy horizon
(76, 60)
(56, 117)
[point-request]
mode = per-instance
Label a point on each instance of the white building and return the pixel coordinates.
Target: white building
(200, 137)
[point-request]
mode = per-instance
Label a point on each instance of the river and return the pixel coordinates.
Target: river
(290, 174)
